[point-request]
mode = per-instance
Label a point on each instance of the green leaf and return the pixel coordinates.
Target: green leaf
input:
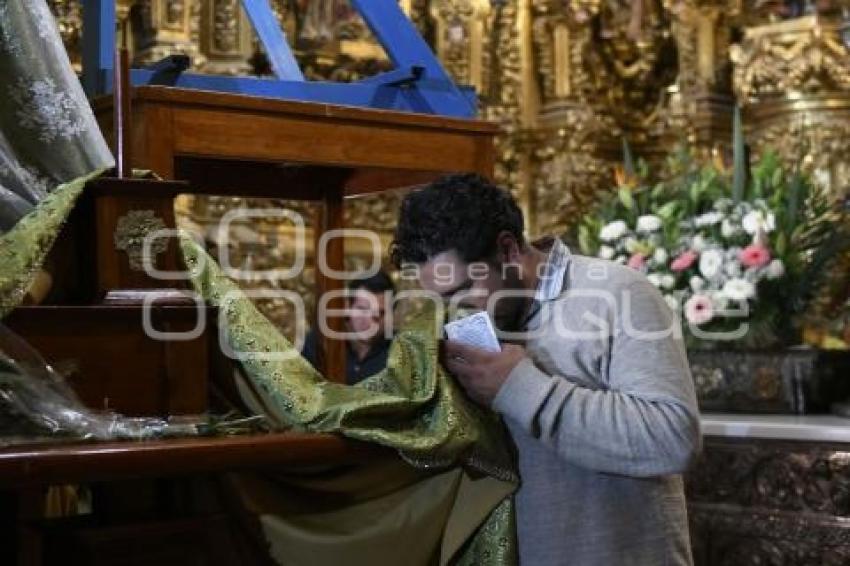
(776, 179)
(626, 198)
(781, 244)
(739, 157)
(628, 160)
(794, 193)
(668, 210)
(584, 240)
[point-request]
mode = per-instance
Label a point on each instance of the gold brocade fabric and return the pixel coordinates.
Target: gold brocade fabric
(450, 503)
(412, 406)
(24, 247)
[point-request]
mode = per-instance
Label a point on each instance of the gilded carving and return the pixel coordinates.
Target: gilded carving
(801, 56)
(225, 25)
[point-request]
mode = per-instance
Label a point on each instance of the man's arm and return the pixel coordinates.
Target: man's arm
(645, 424)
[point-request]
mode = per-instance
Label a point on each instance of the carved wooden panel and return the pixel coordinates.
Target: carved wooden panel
(770, 502)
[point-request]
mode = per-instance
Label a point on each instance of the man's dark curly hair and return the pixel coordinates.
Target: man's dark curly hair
(465, 213)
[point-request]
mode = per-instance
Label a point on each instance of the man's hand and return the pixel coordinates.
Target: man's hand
(481, 373)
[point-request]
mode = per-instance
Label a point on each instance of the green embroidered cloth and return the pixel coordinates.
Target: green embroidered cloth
(413, 406)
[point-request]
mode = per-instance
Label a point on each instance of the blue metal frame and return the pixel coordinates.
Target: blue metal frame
(418, 82)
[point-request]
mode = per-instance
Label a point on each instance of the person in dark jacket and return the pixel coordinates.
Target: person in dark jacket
(368, 302)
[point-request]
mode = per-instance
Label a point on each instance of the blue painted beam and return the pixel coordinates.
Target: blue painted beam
(417, 84)
(345, 94)
(395, 77)
(98, 50)
(406, 48)
(277, 49)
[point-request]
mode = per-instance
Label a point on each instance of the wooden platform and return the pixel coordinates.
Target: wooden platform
(88, 462)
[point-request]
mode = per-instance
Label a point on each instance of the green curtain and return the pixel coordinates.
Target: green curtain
(413, 406)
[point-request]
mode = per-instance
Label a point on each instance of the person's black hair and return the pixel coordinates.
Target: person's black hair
(378, 283)
(464, 212)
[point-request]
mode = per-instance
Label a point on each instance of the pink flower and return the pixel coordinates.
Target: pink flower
(755, 255)
(698, 309)
(684, 261)
(637, 261)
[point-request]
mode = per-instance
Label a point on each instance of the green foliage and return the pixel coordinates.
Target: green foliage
(811, 230)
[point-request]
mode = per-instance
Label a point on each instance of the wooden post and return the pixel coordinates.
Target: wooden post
(332, 352)
(122, 118)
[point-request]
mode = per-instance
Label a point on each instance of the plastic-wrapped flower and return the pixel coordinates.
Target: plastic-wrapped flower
(613, 231)
(775, 269)
(754, 255)
(739, 289)
(758, 221)
(606, 252)
(648, 223)
(660, 255)
(684, 261)
(637, 261)
(710, 263)
(698, 309)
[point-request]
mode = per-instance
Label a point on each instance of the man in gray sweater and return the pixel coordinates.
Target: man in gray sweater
(592, 378)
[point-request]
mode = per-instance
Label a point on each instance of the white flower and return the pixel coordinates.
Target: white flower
(719, 300)
(697, 283)
(660, 255)
(668, 281)
(655, 279)
(739, 289)
(775, 269)
(648, 223)
(757, 221)
(698, 243)
(728, 228)
(672, 302)
(732, 268)
(621, 259)
(606, 252)
(631, 245)
(613, 231)
(723, 204)
(709, 263)
(708, 219)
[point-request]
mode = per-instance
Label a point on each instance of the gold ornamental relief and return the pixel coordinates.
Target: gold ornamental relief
(130, 233)
(791, 58)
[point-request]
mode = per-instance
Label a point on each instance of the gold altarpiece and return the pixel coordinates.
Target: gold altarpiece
(566, 79)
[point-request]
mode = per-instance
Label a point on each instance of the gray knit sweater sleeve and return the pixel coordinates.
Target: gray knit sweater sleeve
(640, 421)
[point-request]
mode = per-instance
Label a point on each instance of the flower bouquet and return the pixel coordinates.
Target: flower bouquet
(739, 257)
(742, 254)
